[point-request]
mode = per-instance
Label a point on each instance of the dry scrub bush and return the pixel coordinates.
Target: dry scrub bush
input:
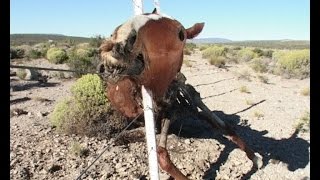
(246, 54)
(244, 89)
(305, 91)
(303, 124)
(259, 65)
(214, 51)
(263, 79)
(218, 61)
(244, 74)
(82, 59)
(187, 62)
(56, 55)
(294, 63)
(87, 111)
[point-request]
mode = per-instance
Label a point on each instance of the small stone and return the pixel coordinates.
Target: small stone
(187, 141)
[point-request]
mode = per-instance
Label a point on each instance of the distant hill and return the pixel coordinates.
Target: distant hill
(277, 44)
(209, 40)
(31, 39)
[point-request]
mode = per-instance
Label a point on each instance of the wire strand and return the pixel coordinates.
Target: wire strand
(84, 171)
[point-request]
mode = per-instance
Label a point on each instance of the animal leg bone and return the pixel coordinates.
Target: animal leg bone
(192, 95)
(164, 132)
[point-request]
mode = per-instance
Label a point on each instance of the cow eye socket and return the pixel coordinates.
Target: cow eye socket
(181, 35)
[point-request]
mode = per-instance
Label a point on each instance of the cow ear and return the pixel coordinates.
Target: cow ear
(155, 11)
(194, 30)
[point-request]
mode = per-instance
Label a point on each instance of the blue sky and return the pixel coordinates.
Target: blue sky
(231, 19)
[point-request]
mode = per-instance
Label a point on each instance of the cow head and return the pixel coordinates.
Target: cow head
(149, 47)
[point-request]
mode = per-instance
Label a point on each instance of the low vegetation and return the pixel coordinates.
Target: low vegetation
(263, 79)
(187, 62)
(305, 91)
(85, 112)
(57, 55)
(303, 124)
(294, 63)
(258, 114)
(244, 89)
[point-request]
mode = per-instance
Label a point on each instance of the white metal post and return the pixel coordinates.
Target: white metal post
(150, 134)
(137, 7)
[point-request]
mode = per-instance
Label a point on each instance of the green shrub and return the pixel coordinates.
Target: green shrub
(263, 79)
(56, 55)
(214, 51)
(87, 111)
(305, 91)
(89, 89)
(83, 60)
(258, 51)
(187, 62)
(258, 65)
(203, 47)
(268, 53)
(187, 51)
(35, 54)
(16, 52)
(294, 63)
(60, 112)
(96, 41)
(303, 124)
(244, 89)
(246, 54)
(21, 73)
(218, 61)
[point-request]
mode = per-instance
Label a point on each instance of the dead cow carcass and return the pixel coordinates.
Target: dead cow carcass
(148, 50)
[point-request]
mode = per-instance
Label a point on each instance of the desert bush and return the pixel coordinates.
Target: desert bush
(246, 54)
(268, 53)
(244, 89)
(79, 150)
(89, 89)
(303, 124)
(56, 55)
(187, 51)
(214, 51)
(217, 61)
(87, 111)
(191, 46)
(258, 65)
(236, 48)
(83, 46)
(187, 62)
(96, 41)
(28, 74)
(263, 79)
(258, 51)
(305, 91)
(294, 63)
(35, 54)
(21, 73)
(83, 60)
(258, 114)
(17, 52)
(203, 47)
(244, 74)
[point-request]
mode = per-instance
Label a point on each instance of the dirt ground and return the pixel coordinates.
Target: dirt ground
(265, 117)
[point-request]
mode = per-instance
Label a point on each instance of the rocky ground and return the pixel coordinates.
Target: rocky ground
(265, 117)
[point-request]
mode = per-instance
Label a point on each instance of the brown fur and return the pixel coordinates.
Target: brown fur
(161, 43)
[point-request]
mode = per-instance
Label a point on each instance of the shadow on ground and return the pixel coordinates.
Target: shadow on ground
(292, 151)
(30, 85)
